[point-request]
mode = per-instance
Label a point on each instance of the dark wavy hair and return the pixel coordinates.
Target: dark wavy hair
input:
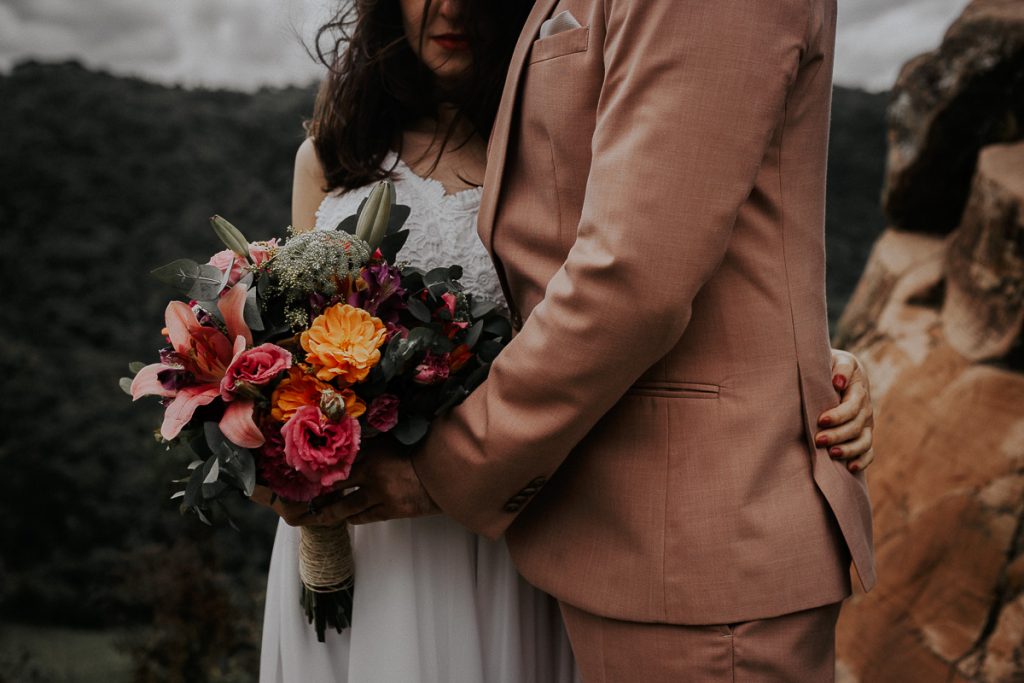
(376, 87)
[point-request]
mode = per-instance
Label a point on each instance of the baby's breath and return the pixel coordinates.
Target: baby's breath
(317, 261)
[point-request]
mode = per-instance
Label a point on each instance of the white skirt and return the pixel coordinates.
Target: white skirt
(434, 603)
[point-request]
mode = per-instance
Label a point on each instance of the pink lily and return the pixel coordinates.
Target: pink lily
(206, 353)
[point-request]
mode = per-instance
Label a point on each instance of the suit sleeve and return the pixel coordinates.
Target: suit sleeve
(692, 94)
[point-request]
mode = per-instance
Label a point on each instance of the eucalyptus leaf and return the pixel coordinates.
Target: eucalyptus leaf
(135, 366)
(251, 312)
(392, 244)
(498, 326)
(488, 350)
(399, 215)
(208, 283)
(213, 489)
(411, 429)
(418, 310)
(478, 308)
(213, 473)
(247, 472)
(473, 336)
(349, 224)
(180, 274)
(193, 488)
(436, 281)
(214, 437)
(454, 272)
(246, 279)
(126, 385)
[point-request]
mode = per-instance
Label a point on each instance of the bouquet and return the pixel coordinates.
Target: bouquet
(286, 356)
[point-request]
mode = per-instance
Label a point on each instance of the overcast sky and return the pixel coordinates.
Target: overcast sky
(248, 43)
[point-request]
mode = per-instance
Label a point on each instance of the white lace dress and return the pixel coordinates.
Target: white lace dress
(434, 603)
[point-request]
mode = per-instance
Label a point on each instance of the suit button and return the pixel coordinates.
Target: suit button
(511, 507)
(538, 482)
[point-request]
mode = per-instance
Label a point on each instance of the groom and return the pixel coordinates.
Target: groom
(655, 206)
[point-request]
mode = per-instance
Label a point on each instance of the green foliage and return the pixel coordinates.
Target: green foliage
(101, 180)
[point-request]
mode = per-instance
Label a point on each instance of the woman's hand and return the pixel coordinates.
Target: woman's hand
(847, 428)
(298, 514)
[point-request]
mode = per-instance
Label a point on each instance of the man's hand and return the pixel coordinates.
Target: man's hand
(848, 428)
(386, 487)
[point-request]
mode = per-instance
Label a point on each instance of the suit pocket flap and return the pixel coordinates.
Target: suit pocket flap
(668, 389)
(564, 43)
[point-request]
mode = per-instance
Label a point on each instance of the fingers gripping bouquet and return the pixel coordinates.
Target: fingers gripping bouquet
(288, 356)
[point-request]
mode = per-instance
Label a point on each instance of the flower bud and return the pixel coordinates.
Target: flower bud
(373, 219)
(332, 404)
(232, 237)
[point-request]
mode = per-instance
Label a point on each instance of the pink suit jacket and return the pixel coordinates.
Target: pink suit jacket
(654, 203)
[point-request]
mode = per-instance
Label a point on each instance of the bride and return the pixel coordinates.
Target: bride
(411, 94)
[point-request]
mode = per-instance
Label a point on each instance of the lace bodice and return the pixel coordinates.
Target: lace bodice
(442, 227)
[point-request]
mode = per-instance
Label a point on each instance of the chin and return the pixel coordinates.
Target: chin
(451, 69)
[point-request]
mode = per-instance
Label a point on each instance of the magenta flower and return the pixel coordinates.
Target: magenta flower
(321, 449)
(382, 413)
(432, 369)
(282, 478)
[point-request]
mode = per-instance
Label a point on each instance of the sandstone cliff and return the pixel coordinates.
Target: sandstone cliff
(937, 320)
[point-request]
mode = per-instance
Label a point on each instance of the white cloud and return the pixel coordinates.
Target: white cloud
(235, 43)
(876, 37)
(248, 43)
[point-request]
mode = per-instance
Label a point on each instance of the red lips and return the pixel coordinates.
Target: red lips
(451, 41)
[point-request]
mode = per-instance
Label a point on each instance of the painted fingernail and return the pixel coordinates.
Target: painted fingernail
(839, 381)
(835, 452)
(825, 420)
(855, 467)
(821, 440)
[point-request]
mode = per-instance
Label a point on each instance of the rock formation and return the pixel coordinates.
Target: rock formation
(937, 320)
(947, 105)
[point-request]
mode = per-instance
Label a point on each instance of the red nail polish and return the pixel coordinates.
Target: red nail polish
(839, 382)
(855, 468)
(825, 420)
(822, 440)
(835, 452)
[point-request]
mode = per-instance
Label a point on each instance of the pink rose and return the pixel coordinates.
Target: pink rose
(322, 450)
(382, 414)
(261, 251)
(227, 259)
(223, 260)
(282, 478)
(253, 368)
(432, 369)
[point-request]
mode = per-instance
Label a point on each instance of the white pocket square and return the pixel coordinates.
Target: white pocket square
(563, 21)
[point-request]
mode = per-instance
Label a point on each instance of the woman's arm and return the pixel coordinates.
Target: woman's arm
(307, 187)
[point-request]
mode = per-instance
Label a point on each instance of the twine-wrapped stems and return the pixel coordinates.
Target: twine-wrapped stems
(327, 571)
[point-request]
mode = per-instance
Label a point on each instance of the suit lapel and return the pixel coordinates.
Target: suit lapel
(497, 150)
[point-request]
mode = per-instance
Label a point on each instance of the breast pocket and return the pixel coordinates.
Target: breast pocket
(561, 44)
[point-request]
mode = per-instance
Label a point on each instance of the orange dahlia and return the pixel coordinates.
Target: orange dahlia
(299, 388)
(344, 342)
